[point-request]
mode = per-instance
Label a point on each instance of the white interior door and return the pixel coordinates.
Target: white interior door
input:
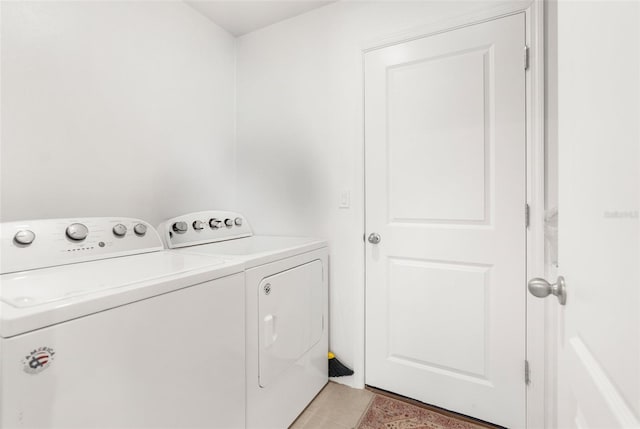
(445, 190)
(599, 199)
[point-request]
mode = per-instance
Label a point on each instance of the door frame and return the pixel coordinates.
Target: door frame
(540, 392)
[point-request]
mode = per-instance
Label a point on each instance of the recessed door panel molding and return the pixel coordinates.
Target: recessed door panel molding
(439, 126)
(592, 381)
(445, 177)
(452, 298)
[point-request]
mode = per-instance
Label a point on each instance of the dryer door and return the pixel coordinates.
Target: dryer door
(290, 316)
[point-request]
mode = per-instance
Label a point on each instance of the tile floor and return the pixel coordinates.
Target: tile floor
(336, 407)
(340, 407)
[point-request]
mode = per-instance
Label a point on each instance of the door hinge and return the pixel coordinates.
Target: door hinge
(527, 373)
(527, 215)
(526, 57)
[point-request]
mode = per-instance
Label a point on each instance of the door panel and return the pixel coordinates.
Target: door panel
(445, 189)
(457, 130)
(437, 287)
(599, 199)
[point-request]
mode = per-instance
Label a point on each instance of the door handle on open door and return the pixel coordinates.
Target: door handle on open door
(542, 288)
(374, 238)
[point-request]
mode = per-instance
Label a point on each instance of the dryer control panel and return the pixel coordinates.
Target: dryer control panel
(203, 227)
(32, 244)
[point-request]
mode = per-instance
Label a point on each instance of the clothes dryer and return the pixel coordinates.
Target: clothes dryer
(286, 281)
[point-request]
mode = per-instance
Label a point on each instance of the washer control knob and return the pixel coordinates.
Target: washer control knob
(214, 223)
(238, 221)
(119, 230)
(180, 227)
(24, 237)
(228, 222)
(77, 231)
(140, 229)
(198, 225)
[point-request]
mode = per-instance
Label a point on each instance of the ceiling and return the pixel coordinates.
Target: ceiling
(243, 16)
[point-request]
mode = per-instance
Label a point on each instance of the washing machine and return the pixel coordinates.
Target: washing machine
(100, 327)
(286, 309)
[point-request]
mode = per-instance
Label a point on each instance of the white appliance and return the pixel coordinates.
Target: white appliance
(286, 309)
(100, 327)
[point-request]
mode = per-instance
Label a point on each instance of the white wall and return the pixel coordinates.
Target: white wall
(115, 108)
(300, 138)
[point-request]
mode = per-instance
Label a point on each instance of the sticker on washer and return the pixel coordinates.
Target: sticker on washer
(38, 360)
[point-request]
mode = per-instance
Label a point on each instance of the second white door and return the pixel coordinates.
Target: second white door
(446, 192)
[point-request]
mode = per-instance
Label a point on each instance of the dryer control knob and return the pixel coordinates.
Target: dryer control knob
(140, 229)
(77, 231)
(24, 237)
(238, 221)
(180, 227)
(214, 223)
(228, 222)
(119, 230)
(198, 224)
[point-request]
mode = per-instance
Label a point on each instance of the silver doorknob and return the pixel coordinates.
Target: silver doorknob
(542, 288)
(374, 238)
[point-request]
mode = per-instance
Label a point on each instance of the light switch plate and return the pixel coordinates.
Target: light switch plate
(345, 199)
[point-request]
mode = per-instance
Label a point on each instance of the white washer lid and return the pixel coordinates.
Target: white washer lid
(33, 299)
(257, 249)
